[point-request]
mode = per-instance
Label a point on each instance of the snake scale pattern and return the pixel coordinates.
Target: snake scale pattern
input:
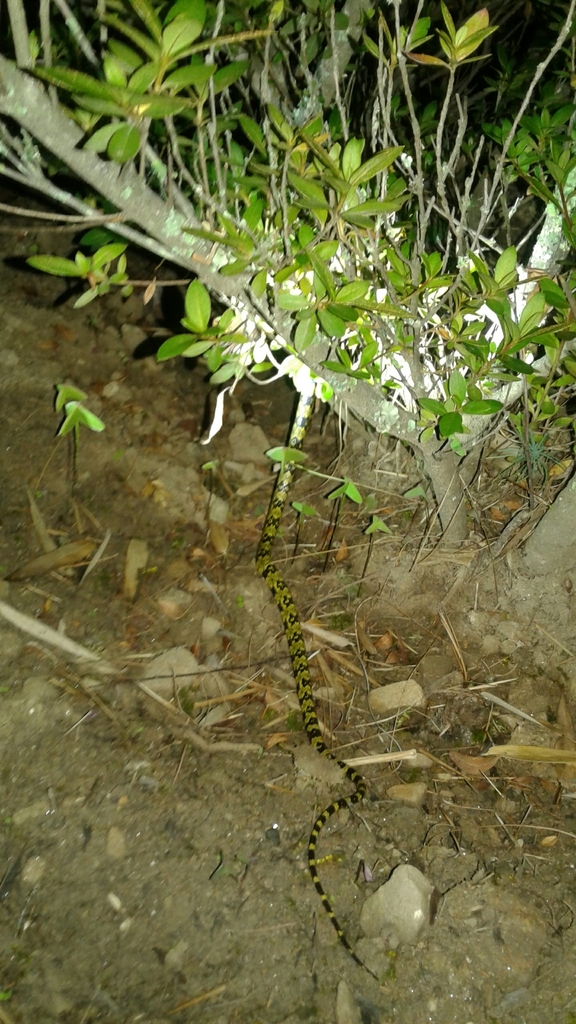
(297, 649)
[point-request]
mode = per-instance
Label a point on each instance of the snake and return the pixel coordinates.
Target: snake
(297, 650)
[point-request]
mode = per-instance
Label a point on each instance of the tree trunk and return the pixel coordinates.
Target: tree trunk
(552, 546)
(449, 476)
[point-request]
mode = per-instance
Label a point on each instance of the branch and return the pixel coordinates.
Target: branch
(24, 100)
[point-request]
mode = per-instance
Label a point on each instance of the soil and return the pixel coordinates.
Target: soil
(153, 852)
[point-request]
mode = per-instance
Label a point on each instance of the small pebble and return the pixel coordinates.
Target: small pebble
(115, 843)
(387, 700)
(412, 794)
(400, 909)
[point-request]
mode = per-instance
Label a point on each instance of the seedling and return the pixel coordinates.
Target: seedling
(69, 400)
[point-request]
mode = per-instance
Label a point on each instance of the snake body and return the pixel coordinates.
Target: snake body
(298, 656)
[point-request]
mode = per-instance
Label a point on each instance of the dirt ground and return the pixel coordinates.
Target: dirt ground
(153, 838)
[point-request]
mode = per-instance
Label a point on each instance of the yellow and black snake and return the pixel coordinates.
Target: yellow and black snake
(297, 648)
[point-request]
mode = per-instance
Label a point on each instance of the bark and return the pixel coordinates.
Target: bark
(552, 546)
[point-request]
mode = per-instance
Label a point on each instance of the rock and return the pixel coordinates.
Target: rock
(174, 603)
(387, 700)
(490, 644)
(132, 336)
(432, 667)
(248, 443)
(175, 956)
(39, 809)
(218, 509)
(33, 870)
(399, 910)
(347, 1010)
(210, 627)
(176, 667)
(412, 794)
(116, 843)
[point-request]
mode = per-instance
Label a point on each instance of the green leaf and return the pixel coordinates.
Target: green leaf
(95, 106)
(280, 123)
(259, 284)
(179, 34)
(225, 372)
(432, 405)
(98, 142)
(286, 455)
(85, 298)
(113, 71)
(198, 306)
(195, 75)
(67, 393)
(332, 325)
(354, 290)
(146, 44)
(147, 105)
(377, 525)
(253, 132)
(107, 253)
(372, 207)
(484, 407)
(310, 191)
(147, 13)
(505, 269)
(348, 313)
(553, 293)
(124, 144)
(457, 386)
(326, 250)
(56, 265)
(195, 10)
(375, 165)
(415, 492)
(177, 346)
(532, 314)
(305, 333)
(448, 21)
(290, 300)
(78, 82)
(322, 272)
(347, 489)
(144, 77)
(352, 157)
(427, 433)
(303, 509)
(125, 54)
(515, 365)
(226, 76)
(90, 420)
(450, 423)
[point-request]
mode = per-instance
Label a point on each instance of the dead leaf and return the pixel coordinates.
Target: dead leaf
(332, 639)
(149, 292)
(341, 552)
(548, 841)
(365, 641)
(136, 560)
(74, 553)
(275, 738)
(385, 643)
(470, 765)
(65, 332)
(566, 739)
(219, 538)
(543, 755)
